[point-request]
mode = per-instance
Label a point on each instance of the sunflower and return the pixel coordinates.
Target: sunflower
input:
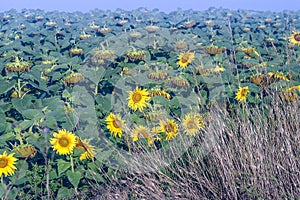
(295, 38)
(63, 142)
(293, 88)
(115, 124)
(158, 92)
(87, 147)
(278, 76)
(7, 163)
(193, 123)
(141, 132)
(138, 99)
(185, 59)
(25, 150)
(169, 127)
(241, 95)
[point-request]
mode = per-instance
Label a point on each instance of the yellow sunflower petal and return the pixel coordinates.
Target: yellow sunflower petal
(185, 59)
(295, 38)
(138, 99)
(115, 124)
(241, 95)
(63, 142)
(7, 164)
(193, 123)
(169, 127)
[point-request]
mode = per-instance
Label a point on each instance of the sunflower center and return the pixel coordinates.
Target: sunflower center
(144, 133)
(136, 97)
(297, 37)
(244, 92)
(116, 123)
(169, 128)
(3, 162)
(191, 125)
(185, 58)
(64, 142)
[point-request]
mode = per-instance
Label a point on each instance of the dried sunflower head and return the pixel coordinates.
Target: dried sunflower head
(73, 78)
(17, 66)
(151, 29)
(25, 150)
(76, 51)
(181, 46)
(104, 30)
(214, 50)
(179, 81)
(260, 80)
(136, 55)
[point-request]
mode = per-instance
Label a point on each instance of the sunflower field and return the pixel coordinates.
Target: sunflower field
(147, 105)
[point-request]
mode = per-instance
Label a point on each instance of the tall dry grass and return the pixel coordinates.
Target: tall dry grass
(244, 153)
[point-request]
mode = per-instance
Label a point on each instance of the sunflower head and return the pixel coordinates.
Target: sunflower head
(115, 124)
(7, 164)
(295, 38)
(142, 132)
(63, 142)
(241, 95)
(185, 59)
(293, 88)
(138, 99)
(170, 127)
(89, 150)
(193, 123)
(278, 76)
(25, 150)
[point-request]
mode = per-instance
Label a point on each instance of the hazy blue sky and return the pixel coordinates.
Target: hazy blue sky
(163, 5)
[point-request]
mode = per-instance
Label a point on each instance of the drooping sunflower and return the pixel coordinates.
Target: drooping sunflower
(241, 95)
(142, 132)
(138, 99)
(293, 88)
(170, 127)
(193, 123)
(185, 59)
(25, 150)
(295, 38)
(278, 76)
(7, 164)
(63, 142)
(89, 150)
(115, 124)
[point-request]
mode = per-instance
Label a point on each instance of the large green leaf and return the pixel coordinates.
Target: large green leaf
(32, 114)
(5, 85)
(74, 177)
(62, 166)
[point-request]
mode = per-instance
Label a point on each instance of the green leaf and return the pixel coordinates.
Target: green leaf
(26, 124)
(32, 114)
(3, 123)
(74, 177)
(22, 167)
(2, 190)
(62, 166)
(22, 104)
(5, 86)
(63, 193)
(13, 193)
(52, 174)
(7, 136)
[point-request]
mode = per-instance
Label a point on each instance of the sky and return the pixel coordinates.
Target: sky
(162, 5)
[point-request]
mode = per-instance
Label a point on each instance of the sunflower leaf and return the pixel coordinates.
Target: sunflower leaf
(74, 177)
(62, 166)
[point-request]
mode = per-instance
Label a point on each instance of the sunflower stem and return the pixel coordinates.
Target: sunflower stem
(72, 163)
(19, 86)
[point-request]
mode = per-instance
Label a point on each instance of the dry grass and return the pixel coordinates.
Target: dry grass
(248, 153)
